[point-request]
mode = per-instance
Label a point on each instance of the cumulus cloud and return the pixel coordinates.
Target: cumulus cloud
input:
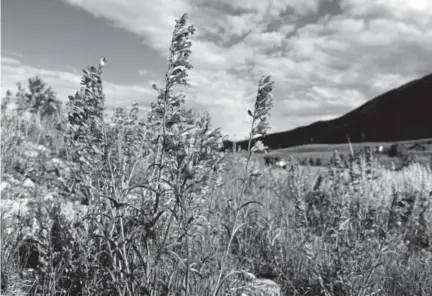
(67, 83)
(150, 19)
(326, 57)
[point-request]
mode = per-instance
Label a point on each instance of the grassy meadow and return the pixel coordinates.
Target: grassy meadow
(147, 204)
(419, 151)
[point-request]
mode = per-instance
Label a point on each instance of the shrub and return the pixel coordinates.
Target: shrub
(39, 100)
(397, 150)
(408, 159)
(182, 163)
(311, 161)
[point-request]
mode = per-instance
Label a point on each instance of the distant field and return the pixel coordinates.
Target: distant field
(324, 152)
(313, 148)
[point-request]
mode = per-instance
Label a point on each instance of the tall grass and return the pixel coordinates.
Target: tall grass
(150, 206)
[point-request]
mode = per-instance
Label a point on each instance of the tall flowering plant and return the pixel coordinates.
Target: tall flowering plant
(259, 128)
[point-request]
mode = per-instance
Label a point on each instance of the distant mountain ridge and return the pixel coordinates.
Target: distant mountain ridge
(401, 114)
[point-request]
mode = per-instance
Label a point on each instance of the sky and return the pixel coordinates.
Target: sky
(326, 57)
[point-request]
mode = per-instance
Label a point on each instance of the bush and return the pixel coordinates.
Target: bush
(397, 150)
(39, 99)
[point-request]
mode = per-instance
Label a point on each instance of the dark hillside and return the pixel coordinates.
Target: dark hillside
(402, 114)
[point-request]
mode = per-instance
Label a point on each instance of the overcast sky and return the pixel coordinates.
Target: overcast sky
(326, 56)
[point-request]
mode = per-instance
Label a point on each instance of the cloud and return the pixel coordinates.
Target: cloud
(231, 36)
(326, 57)
(143, 72)
(12, 53)
(66, 84)
(9, 60)
(140, 17)
(72, 69)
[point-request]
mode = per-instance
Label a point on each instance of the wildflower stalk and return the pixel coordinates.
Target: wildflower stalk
(85, 123)
(168, 105)
(186, 156)
(259, 128)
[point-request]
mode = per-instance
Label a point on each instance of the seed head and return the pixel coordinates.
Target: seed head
(102, 62)
(263, 105)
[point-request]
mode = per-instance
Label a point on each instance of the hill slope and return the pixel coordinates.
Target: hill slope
(402, 114)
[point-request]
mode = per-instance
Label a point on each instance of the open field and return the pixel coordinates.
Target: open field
(148, 205)
(345, 148)
(419, 151)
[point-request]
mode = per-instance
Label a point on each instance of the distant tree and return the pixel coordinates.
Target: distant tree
(342, 159)
(335, 160)
(318, 162)
(397, 150)
(311, 161)
(6, 101)
(408, 159)
(39, 99)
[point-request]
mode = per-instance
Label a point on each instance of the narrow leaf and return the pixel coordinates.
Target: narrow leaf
(250, 202)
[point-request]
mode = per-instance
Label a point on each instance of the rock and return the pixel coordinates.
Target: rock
(29, 184)
(259, 286)
(4, 185)
(10, 208)
(262, 287)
